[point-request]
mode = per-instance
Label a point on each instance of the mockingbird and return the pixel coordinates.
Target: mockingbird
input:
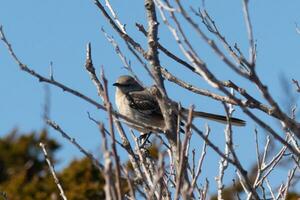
(137, 103)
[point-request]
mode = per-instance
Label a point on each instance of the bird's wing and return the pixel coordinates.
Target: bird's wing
(143, 102)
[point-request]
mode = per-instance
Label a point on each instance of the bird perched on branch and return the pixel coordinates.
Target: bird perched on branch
(139, 104)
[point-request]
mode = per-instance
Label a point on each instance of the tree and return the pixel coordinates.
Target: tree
(25, 174)
(172, 175)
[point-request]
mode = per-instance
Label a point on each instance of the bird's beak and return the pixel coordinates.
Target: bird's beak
(116, 84)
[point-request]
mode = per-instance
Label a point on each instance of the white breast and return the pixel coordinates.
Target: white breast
(122, 104)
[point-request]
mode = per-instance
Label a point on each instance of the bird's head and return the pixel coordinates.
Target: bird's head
(127, 84)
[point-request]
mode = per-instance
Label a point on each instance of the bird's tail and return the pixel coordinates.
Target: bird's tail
(219, 118)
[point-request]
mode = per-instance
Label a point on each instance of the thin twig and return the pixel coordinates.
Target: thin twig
(112, 133)
(110, 187)
(297, 84)
(288, 181)
(243, 175)
(252, 50)
(182, 159)
(167, 75)
(52, 170)
(118, 51)
(115, 16)
(78, 146)
(143, 164)
(270, 189)
(242, 63)
(92, 72)
(200, 162)
(157, 177)
(123, 35)
(105, 130)
(129, 182)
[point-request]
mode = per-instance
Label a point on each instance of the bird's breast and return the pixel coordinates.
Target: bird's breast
(124, 108)
(123, 105)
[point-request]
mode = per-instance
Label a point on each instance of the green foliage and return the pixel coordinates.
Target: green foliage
(82, 180)
(24, 174)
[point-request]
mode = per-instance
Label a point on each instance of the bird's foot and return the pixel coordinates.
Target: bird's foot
(144, 139)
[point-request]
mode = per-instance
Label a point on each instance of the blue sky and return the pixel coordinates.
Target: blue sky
(57, 31)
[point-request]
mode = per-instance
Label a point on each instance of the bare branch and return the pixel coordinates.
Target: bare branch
(123, 35)
(92, 72)
(78, 146)
(297, 84)
(183, 158)
(288, 181)
(146, 170)
(51, 168)
(252, 49)
(112, 132)
(167, 75)
(110, 188)
(200, 162)
(129, 182)
(120, 25)
(118, 51)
